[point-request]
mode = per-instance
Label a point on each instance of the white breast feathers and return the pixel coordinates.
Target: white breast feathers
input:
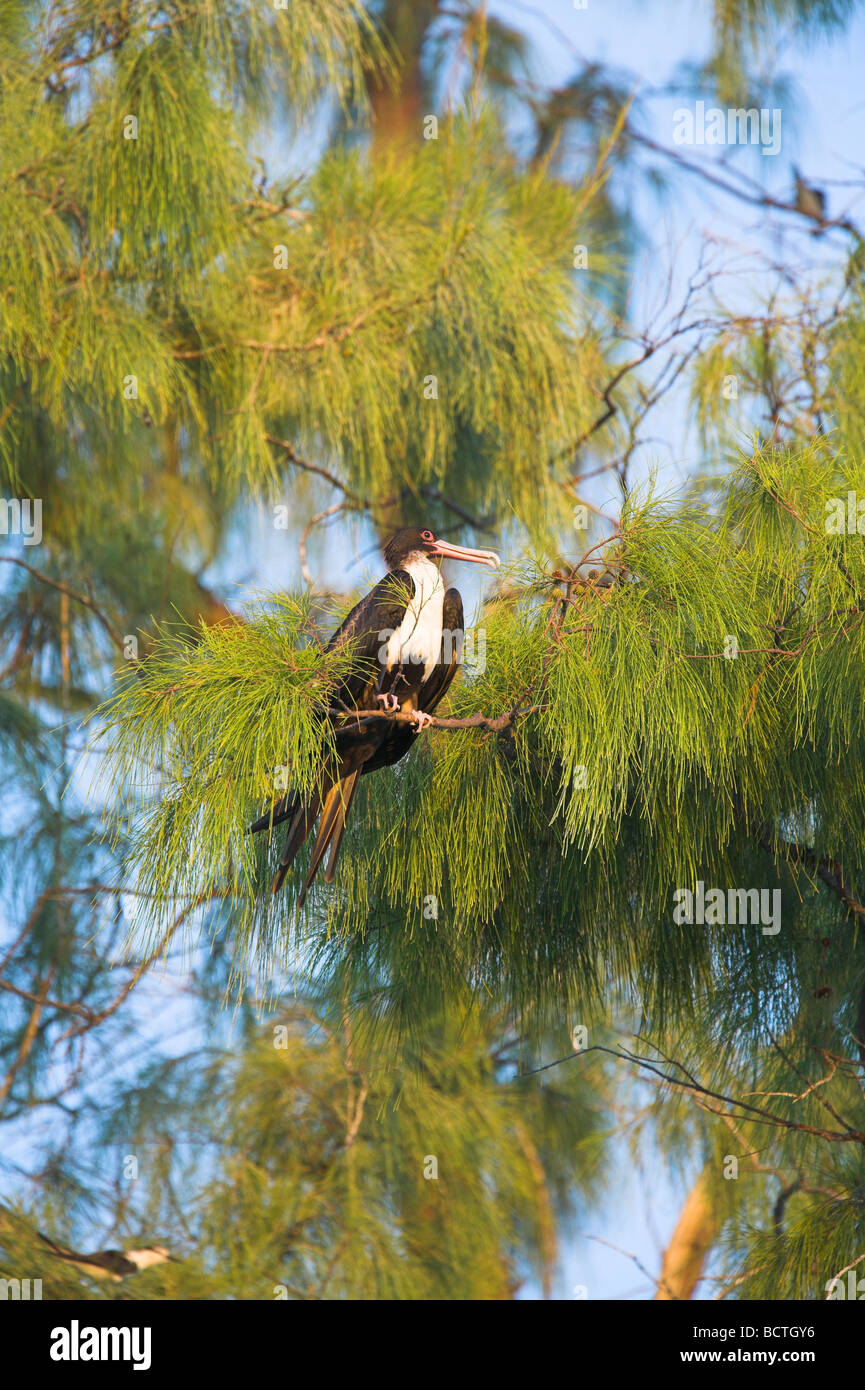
(418, 639)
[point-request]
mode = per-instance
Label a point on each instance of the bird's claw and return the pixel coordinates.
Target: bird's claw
(390, 702)
(421, 719)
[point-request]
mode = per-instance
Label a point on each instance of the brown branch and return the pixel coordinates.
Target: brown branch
(494, 723)
(427, 490)
(485, 523)
(62, 588)
(333, 333)
(757, 198)
(829, 871)
(780, 1206)
(100, 1016)
(293, 457)
(695, 1233)
(605, 392)
(757, 1114)
(91, 1017)
(851, 1265)
(78, 1008)
(628, 1255)
(546, 1221)
(29, 1037)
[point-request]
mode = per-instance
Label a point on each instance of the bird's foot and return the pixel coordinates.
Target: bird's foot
(390, 702)
(421, 719)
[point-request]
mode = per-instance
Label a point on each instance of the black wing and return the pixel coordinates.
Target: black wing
(380, 613)
(397, 743)
(382, 609)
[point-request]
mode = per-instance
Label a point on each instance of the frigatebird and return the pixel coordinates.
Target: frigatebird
(406, 641)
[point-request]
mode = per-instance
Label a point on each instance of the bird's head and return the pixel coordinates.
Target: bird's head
(413, 543)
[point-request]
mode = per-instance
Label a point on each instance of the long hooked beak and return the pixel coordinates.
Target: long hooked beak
(462, 552)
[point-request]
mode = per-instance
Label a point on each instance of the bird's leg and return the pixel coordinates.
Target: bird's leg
(390, 702)
(421, 719)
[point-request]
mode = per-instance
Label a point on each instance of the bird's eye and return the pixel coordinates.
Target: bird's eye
(427, 536)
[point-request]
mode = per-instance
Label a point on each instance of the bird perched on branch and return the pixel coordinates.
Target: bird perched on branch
(406, 638)
(115, 1265)
(810, 201)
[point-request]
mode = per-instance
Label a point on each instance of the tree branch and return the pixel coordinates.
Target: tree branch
(495, 723)
(62, 588)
